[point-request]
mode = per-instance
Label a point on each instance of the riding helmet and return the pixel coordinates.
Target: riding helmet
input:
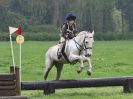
(70, 16)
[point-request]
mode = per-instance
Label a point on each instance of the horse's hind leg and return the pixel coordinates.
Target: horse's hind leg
(47, 72)
(59, 68)
(49, 66)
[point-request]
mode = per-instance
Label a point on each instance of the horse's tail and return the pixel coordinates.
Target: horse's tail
(47, 55)
(48, 60)
(51, 56)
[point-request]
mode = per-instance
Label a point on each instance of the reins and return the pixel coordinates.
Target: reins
(81, 45)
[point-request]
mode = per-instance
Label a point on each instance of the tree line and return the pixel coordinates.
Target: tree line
(111, 19)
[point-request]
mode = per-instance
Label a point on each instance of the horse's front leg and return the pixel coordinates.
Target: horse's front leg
(81, 66)
(76, 57)
(89, 71)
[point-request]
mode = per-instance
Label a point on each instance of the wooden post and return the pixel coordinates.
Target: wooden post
(17, 75)
(129, 86)
(50, 89)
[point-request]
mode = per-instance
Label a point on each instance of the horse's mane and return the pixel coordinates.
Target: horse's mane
(85, 32)
(82, 33)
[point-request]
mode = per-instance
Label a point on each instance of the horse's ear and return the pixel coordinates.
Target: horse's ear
(93, 32)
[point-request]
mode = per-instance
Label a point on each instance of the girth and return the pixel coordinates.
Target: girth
(63, 52)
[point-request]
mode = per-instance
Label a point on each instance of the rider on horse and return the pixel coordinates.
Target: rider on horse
(68, 31)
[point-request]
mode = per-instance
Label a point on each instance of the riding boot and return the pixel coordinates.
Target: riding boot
(60, 51)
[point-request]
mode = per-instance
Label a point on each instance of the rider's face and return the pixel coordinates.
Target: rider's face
(71, 22)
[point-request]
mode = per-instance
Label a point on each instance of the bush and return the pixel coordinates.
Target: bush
(54, 36)
(41, 36)
(33, 36)
(112, 36)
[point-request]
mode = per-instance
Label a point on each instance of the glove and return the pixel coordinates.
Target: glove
(66, 35)
(70, 35)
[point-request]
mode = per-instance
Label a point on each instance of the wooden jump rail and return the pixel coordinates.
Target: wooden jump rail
(10, 87)
(49, 87)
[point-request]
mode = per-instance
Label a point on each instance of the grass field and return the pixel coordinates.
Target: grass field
(110, 58)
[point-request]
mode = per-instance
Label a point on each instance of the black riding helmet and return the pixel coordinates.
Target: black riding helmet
(70, 16)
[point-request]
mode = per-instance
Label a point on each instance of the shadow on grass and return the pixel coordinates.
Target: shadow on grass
(86, 93)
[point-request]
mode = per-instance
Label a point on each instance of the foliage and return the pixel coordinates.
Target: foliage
(103, 16)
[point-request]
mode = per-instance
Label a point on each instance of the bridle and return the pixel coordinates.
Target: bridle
(80, 47)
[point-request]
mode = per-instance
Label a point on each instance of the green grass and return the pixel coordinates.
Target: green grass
(110, 58)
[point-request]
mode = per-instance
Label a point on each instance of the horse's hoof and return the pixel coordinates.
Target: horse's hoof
(78, 71)
(89, 73)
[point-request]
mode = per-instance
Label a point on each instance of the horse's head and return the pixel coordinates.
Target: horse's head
(85, 40)
(88, 43)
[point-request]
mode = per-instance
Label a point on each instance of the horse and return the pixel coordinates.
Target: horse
(78, 49)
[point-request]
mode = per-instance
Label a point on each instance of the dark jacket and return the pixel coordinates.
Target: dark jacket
(68, 32)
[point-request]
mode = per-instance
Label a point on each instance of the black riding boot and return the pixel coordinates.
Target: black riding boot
(60, 51)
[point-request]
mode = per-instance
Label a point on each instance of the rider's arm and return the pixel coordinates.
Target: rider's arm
(64, 32)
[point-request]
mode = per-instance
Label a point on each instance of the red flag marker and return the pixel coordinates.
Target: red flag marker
(19, 31)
